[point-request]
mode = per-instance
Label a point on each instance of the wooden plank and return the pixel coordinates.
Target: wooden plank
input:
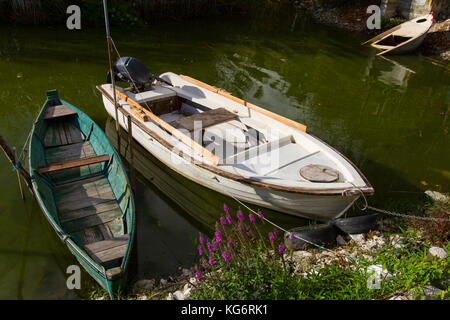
(208, 118)
(69, 152)
(91, 221)
(92, 191)
(67, 132)
(49, 139)
(110, 254)
(84, 184)
(176, 133)
(107, 244)
(79, 202)
(73, 164)
(249, 105)
(58, 111)
(89, 235)
(88, 211)
(62, 133)
(75, 134)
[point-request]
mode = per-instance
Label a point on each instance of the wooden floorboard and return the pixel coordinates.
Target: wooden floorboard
(69, 152)
(79, 202)
(91, 221)
(107, 244)
(88, 211)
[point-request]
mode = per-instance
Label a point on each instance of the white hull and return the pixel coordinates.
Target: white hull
(306, 204)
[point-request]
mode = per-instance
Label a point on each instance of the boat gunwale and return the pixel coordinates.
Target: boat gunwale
(366, 190)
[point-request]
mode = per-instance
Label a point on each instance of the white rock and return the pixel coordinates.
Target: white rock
(144, 285)
(359, 238)
(187, 292)
(178, 295)
(170, 296)
(163, 282)
(436, 196)
(186, 287)
(436, 252)
(398, 298)
(186, 272)
(427, 291)
(100, 298)
(341, 241)
(302, 254)
(370, 244)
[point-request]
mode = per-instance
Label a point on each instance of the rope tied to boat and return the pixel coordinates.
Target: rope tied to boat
(17, 166)
(292, 233)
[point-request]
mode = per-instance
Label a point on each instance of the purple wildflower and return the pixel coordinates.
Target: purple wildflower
(226, 256)
(218, 237)
(260, 215)
(202, 239)
(249, 233)
(198, 275)
(225, 208)
(208, 244)
(211, 260)
(230, 219)
(281, 249)
(205, 264)
(213, 246)
(271, 236)
(251, 217)
(223, 221)
(275, 231)
(200, 250)
(240, 215)
(229, 242)
(292, 236)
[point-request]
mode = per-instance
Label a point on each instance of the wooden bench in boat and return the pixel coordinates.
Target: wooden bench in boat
(108, 250)
(208, 118)
(58, 111)
(73, 164)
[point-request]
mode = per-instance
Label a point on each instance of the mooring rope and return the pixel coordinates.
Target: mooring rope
(407, 216)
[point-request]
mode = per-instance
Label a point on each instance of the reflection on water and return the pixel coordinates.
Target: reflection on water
(390, 119)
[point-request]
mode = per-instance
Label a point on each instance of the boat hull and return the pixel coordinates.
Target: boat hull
(50, 200)
(324, 207)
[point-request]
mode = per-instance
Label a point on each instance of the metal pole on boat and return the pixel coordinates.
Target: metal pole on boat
(130, 146)
(108, 40)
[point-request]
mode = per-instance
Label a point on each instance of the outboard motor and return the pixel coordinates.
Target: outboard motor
(133, 71)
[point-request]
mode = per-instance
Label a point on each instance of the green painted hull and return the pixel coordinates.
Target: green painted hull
(112, 279)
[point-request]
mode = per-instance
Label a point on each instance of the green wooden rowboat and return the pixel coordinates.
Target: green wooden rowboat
(83, 190)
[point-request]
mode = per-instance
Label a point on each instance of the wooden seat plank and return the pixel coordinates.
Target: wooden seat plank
(58, 111)
(79, 202)
(107, 244)
(73, 164)
(109, 255)
(207, 118)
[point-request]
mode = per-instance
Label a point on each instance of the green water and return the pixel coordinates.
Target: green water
(389, 118)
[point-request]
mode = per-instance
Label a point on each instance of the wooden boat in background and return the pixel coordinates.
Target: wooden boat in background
(82, 188)
(269, 160)
(403, 38)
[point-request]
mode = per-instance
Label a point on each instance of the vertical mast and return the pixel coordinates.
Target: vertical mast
(108, 40)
